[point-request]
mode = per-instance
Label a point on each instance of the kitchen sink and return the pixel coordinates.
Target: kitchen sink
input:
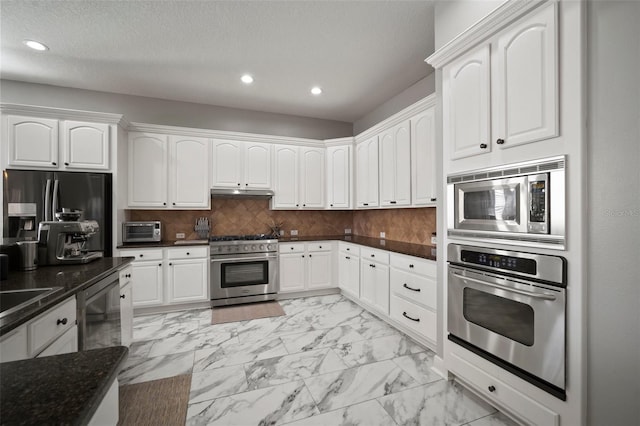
(13, 300)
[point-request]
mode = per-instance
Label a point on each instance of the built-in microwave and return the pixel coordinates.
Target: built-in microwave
(141, 232)
(523, 202)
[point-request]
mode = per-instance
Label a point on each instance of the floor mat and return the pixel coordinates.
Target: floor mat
(246, 312)
(159, 402)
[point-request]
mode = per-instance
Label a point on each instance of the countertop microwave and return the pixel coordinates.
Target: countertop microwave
(523, 203)
(141, 232)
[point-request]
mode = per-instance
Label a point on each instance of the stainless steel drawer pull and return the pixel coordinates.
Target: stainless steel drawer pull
(410, 288)
(545, 296)
(404, 314)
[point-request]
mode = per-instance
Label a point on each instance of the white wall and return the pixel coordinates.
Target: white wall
(411, 95)
(614, 213)
(454, 16)
(184, 114)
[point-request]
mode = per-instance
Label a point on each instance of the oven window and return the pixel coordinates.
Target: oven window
(494, 204)
(244, 273)
(506, 317)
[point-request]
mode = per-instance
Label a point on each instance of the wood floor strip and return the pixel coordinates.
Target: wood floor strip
(159, 402)
(246, 312)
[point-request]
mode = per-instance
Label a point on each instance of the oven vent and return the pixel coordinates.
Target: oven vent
(494, 174)
(468, 177)
(555, 163)
(455, 179)
(480, 176)
(511, 172)
(527, 170)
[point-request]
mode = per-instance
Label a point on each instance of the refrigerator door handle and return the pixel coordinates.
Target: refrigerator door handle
(54, 203)
(47, 200)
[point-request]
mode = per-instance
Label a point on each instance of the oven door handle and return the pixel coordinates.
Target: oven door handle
(545, 296)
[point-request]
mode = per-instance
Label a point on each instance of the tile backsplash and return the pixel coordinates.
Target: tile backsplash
(236, 216)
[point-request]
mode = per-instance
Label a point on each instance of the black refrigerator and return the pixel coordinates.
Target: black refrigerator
(45, 193)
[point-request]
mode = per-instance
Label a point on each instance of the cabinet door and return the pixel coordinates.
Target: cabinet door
(387, 168)
(257, 165)
(189, 172)
(286, 177)
(14, 346)
(319, 270)
(126, 313)
(292, 272)
(423, 158)
(147, 284)
(402, 164)
(33, 142)
(226, 164)
(188, 280)
(367, 282)
(367, 173)
(527, 77)
(349, 274)
(86, 145)
(312, 177)
(148, 165)
(338, 177)
(381, 291)
(65, 344)
(466, 104)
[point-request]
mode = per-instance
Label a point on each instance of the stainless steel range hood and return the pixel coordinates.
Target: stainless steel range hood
(241, 193)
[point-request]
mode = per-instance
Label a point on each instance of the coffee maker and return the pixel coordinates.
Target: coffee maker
(64, 242)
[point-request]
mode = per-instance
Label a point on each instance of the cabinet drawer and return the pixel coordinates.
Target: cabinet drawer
(374, 254)
(414, 287)
(291, 247)
(143, 254)
(495, 390)
(413, 264)
(349, 248)
(186, 252)
(423, 322)
(50, 325)
(319, 246)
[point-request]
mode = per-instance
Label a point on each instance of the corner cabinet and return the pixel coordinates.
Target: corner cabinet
(339, 177)
(168, 171)
(238, 164)
(515, 76)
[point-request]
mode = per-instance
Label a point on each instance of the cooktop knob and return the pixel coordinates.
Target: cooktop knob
(253, 247)
(246, 248)
(261, 247)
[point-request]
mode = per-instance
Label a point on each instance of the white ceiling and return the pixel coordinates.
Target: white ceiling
(360, 52)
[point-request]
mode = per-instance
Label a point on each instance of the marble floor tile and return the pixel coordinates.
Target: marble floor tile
(211, 384)
(377, 349)
(239, 353)
(368, 413)
(189, 315)
(148, 320)
(439, 403)
(140, 349)
(189, 342)
(320, 338)
(497, 419)
(269, 406)
(288, 368)
(358, 384)
(275, 326)
(138, 370)
(370, 326)
(419, 366)
(163, 331)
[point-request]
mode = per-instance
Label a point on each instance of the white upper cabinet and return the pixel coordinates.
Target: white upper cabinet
(395, 165)
(168, 171)
(423, 158)
(312, 180)
(86, 145)
(285, 177)
(527, 75)
(466, 104)
(189, 172)
(148, 165)
(33, 142)
(367, 173)
(339, 177)
(237, 164)
(504, 92)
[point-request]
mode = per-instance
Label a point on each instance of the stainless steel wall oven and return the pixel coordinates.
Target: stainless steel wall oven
(509, 307)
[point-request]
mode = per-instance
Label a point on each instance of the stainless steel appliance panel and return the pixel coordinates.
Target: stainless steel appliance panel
(99, 323)
(244, 275)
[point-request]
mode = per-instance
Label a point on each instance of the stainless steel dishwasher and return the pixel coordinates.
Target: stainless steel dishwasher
(99, 323)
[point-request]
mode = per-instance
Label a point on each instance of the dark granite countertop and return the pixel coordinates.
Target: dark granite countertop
(418, 250)
(161, 244)
(61, 389)
(70, 278)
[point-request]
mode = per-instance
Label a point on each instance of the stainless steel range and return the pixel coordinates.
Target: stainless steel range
(244, 269)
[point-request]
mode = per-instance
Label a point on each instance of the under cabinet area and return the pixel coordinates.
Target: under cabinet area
(306, 266)
(168, 276)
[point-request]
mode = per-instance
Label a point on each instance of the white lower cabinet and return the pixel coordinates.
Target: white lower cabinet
(14, 345)
(349, 268)
(166, 276)
(65, 344)
(126, 306)
(107, 412)
(374, 279)
(306, 266)
(414, 316)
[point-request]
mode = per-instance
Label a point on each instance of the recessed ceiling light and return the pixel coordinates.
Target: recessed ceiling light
(246, 79)
(35, 45)
(316, 90)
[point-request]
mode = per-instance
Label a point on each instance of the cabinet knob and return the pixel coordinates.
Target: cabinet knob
(331, 205)
(483, 145)
(303, 255)
(372, 265)
(54, 163)
(373, 255)
(297, 205)
(392, 202)
(500, 141)
(347, 257)
(291, 248)
(142, 255)
(492, 388)
(246, 184)
(304, 205)
(319, 246)
(238, 184)
(62, 321)
(348, 249)
(170, 264)
(159, 264)
(187, 253)
(309, 255)
(66, 164)
(411, 266)
(164, 204)
(173, 204)
(433, 199)
(122, 296)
